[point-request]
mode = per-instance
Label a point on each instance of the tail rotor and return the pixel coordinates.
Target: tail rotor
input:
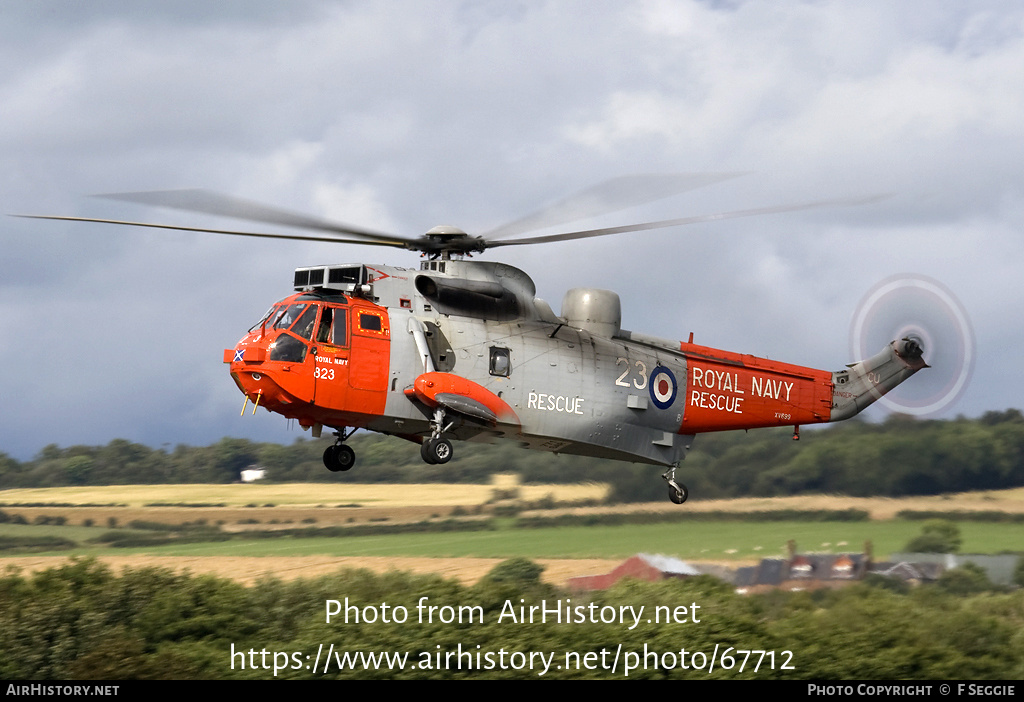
(932, 324)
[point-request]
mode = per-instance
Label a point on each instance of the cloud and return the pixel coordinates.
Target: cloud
(400, 116)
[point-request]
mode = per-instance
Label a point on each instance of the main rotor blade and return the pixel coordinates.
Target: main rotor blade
(332, 239)
(584, 234)
(610, 196)
(208, 202)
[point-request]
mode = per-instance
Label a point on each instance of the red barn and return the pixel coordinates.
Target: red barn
(642, 566)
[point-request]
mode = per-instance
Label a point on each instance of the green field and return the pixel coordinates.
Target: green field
(711, 541)
(302, 505)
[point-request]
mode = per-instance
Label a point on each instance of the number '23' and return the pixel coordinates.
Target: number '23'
(638, 376)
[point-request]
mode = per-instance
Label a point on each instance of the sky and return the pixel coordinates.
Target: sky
(402, 115)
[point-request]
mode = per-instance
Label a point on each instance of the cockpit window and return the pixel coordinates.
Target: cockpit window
(264, 318)
(286, 316)
(299, 318)
(304, 325)
(287, 348)
(323, 332)
(332, 329)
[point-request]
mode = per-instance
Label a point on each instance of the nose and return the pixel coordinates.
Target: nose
(250, 375)
(260, 387)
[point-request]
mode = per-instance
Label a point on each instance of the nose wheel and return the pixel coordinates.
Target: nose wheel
(340, 457)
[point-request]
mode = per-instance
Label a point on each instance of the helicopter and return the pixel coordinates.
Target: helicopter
(463, 349)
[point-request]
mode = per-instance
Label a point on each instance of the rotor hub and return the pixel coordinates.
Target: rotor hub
(445, 240)
(444, 232)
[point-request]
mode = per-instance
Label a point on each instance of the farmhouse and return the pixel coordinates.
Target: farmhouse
(804, 571)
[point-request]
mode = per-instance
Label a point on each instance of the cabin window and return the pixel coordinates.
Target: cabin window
(501, 363)
(369, 322)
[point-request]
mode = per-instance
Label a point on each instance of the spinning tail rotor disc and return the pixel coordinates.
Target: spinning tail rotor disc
(919, 308)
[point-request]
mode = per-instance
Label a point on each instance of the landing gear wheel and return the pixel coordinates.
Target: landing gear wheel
(425, 452)
(344, 456)
(677, 492)
(441, 450)
(435, 451)
(339, 457)
(678, 495)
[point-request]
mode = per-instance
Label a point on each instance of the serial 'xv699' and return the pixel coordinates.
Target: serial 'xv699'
(463, 349)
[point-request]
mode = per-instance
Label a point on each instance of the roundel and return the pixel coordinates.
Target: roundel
(663, 387)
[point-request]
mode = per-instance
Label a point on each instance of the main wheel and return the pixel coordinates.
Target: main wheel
(436, 451)
(442, 450)
(425, 452)
(678, 496)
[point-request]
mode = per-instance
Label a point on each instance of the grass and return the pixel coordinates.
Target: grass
(702, 541)
(75, 533)
(708, 541)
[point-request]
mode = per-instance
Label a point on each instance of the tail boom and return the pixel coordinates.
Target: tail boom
(861, 383)
(727, 391)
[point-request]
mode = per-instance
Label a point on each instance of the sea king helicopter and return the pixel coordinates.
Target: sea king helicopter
(462, 349)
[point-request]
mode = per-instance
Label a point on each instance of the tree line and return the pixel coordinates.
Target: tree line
(82, 622)
(897, 457)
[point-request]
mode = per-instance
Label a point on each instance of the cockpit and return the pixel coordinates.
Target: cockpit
(293, 324)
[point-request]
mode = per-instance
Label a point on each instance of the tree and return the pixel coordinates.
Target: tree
(521, 571)
(78, 469)
(968, 579)
(937, 536)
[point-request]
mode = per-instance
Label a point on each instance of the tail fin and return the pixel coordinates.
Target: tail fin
(863, 382)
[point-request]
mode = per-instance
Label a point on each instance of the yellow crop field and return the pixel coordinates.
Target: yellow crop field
(304, 494)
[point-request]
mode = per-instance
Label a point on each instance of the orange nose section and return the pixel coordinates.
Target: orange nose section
(258, 385)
